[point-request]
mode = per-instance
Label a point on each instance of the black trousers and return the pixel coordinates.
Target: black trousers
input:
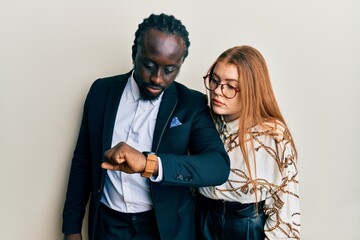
(218, 220)
(114, 225)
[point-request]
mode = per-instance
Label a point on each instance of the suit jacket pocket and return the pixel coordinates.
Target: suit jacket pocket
(176, 139)
(176, 129)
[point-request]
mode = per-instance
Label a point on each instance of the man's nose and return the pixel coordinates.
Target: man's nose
(157, 77)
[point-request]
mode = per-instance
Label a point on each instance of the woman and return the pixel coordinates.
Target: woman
(260, 200)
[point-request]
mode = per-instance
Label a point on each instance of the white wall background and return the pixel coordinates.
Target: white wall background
(52, 50)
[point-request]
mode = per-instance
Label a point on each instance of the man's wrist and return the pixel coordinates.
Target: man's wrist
(150, 165)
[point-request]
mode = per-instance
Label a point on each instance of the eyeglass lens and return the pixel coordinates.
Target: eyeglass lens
(227, 90)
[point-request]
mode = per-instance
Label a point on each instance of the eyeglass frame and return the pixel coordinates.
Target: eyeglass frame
(221, 88)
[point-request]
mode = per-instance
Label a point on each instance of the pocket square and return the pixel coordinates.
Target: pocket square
(175, 122)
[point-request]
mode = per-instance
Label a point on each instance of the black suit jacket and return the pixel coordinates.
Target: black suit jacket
(192, 155)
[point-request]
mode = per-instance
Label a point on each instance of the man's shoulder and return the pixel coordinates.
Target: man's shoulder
(111, 79)
(188, 97)
(184, 91)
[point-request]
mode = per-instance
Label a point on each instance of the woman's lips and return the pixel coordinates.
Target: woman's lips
(217, 102)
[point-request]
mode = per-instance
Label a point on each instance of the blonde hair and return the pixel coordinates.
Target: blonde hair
(258, 103)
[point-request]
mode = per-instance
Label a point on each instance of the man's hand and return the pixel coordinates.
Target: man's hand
(76, 236)
(124, 158)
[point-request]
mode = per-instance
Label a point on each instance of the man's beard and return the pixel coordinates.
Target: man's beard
(145, 95)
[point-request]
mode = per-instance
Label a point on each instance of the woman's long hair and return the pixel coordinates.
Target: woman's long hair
(258, 105)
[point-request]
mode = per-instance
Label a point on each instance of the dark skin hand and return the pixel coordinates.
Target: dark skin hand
(125, 158)
(76, 236)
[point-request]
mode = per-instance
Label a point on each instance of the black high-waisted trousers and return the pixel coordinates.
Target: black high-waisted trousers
(219, 220)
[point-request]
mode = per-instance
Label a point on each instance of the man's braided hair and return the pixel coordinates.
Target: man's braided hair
(164, 23)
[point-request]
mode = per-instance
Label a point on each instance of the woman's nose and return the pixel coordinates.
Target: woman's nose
(218, 90)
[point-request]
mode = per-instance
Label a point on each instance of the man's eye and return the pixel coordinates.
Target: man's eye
(148, 66)
(169, 70)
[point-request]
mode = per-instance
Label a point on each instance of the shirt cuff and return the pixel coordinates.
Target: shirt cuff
(160, 176)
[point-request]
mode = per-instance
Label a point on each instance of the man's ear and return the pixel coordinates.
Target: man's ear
(133, 54)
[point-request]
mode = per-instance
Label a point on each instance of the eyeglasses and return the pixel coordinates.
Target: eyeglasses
(226, 89)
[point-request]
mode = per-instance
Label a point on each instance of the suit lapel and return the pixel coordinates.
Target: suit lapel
(167, 107)
(112, 104)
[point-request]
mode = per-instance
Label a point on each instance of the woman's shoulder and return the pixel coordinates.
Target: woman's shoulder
(274, 129)
(276, 136)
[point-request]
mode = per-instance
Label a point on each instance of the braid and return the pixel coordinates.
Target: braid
(164, 23)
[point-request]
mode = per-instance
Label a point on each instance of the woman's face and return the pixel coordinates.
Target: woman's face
(225, 73)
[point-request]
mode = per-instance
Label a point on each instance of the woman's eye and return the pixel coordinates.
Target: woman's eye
(214, 80)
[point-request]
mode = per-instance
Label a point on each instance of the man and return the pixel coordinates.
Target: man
(143, 142)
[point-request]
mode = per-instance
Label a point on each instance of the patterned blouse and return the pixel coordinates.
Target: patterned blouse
(276, 178)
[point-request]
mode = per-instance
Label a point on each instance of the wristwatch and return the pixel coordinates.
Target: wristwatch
(151, 161)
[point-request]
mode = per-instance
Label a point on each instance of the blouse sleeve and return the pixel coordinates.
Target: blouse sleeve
(282, 205)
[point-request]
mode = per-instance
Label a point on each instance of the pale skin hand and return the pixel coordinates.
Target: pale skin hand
(76, 236)
(125, 158)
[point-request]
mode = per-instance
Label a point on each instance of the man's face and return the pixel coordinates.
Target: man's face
(157, 62)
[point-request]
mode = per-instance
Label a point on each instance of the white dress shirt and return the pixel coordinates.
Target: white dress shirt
(134, 124)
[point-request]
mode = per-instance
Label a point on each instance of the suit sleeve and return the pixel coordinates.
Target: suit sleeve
(206, 162)
(79, 186)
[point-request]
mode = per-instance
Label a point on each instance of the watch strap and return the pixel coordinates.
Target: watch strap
(151, 161)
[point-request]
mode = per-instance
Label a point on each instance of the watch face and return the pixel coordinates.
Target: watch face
(147, 153)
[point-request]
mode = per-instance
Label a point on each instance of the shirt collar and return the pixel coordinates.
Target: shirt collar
(233, 126)
(229, 127)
